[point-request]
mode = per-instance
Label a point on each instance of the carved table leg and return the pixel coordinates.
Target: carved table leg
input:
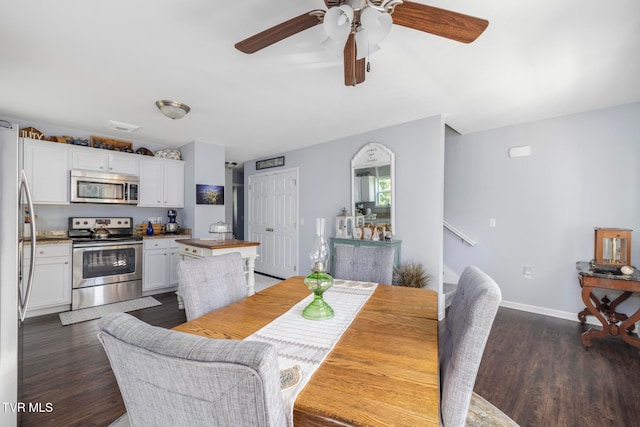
(592, 308)
(628, 325)
(582, 316)
(251, 279)
(619, 317)
(180, 301)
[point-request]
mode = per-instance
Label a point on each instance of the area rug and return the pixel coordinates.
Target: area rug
(77, 316)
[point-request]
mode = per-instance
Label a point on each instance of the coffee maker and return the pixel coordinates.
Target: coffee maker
(172, 226)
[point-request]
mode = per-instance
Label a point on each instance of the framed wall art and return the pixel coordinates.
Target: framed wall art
(209, 194)
(270, 163)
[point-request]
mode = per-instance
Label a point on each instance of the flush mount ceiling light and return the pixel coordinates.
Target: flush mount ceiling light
(356, 27)
(173, 109)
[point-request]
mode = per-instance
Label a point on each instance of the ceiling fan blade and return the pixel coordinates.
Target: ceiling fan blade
(354, 69)
(441, 22)
(280, 32)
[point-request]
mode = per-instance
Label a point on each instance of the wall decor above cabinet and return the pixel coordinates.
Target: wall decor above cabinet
(111, 144)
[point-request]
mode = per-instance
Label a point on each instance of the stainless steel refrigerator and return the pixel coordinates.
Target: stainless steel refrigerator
(15, 279)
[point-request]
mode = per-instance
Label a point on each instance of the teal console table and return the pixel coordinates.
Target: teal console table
(395, 244)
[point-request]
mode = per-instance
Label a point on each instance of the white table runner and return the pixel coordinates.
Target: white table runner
(306, 343)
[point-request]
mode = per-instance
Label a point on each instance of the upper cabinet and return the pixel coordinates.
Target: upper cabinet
(104, 161)
(47, 167)
(173, 183)
(161, 183)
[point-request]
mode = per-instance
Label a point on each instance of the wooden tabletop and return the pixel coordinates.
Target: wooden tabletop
(216, 244)
(382, 372)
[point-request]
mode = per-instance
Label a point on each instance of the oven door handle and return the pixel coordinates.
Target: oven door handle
(102, 245)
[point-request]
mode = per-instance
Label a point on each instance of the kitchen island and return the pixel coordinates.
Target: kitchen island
(200, 248)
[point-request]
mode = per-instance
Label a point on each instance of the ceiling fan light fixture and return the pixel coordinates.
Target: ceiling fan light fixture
(362, 42)
(173, 109)
(334, 46)
(377, 23)
(337, 22)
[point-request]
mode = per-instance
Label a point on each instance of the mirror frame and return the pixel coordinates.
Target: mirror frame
(371, 155)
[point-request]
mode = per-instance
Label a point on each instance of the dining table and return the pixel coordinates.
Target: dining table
(382, 371)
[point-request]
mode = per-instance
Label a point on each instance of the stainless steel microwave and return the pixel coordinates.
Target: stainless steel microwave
(98, 187)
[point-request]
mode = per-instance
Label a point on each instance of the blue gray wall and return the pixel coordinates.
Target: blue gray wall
(325, 187)
(582, 173)
(204, 165)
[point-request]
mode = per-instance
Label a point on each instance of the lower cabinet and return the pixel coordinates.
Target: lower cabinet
(51, 290)
(159, 264)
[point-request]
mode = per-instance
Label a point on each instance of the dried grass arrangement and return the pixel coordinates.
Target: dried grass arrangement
(410, 274)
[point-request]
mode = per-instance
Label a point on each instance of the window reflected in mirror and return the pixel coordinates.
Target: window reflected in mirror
(372, 180)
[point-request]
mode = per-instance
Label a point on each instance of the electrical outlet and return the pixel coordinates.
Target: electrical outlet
(527, 272)
(492, 222)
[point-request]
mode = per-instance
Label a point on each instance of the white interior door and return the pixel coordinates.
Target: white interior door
(273, 221)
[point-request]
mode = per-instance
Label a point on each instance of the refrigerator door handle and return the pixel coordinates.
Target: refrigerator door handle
(24, 302)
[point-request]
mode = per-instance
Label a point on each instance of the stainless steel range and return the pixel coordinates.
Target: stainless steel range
(107, 261)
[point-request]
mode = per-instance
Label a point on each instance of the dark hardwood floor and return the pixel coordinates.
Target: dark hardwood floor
(67, 367)
(534, 368)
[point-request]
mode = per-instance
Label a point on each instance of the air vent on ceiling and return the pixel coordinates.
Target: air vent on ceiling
(122, 127)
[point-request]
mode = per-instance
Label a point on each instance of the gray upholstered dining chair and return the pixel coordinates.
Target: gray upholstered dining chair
(209, 283)
(170, 378)
(363, 263)
(466, 330)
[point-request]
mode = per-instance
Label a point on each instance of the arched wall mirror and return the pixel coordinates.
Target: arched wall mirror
(373, 187)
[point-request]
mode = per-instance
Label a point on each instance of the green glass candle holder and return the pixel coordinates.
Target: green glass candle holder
(318, 309)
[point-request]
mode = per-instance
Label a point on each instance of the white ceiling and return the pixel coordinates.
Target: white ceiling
(79, 63)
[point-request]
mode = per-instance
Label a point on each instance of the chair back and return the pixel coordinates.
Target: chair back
(364, 263)
(170, 378)
(209, 283)
(466, 331)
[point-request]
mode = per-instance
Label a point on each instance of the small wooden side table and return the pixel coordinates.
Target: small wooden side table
(613, 323)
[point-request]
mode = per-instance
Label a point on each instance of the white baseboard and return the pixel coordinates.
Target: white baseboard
(48, 310)
(548, 312)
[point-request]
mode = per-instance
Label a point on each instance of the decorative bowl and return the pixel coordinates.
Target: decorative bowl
(169, 154)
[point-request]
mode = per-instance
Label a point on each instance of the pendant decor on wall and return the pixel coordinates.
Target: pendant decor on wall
(270, 163)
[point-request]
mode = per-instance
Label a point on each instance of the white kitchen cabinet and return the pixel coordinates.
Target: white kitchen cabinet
(365, 190)
(96, 159)
(174, 258)
(159, 264)
(161, 183)
(173, 183)
(47, 167)
(52, 278)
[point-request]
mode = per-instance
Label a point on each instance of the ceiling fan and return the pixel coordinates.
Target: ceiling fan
(361, 24)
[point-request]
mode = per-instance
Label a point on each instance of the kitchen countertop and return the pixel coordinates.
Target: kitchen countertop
(216, 244)
(53, 237)
(47, 240)
(50, 237)
(168, 236)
